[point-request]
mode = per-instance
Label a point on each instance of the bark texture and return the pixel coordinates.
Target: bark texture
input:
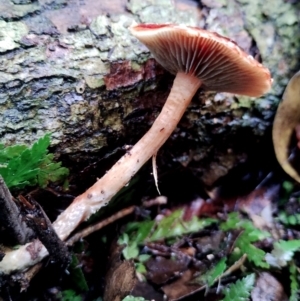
(71, 68)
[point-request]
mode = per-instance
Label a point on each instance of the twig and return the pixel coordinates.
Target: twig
(24, 278)
(160, 200)
(21, 259)
(39, 221)
(87, 231)
(124, 212)
(11, 218)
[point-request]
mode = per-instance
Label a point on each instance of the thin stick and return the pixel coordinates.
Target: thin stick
(87, 231)
(124, 212)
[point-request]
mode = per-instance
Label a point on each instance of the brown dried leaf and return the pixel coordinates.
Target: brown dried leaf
(258, 205)
(120, 279)
(161, 269)
(268, 288)
(286, 120)
(182, 287)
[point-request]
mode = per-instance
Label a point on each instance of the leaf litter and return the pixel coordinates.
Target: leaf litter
(213, 246)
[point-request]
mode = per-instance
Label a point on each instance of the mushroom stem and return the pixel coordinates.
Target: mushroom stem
(184, 88)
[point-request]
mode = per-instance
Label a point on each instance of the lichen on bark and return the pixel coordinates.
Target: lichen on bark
(60, 82)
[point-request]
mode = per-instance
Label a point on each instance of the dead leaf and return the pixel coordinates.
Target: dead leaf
(258, 205)
(182, 287)
(120, 279)
(268, 288)
(286, 120)
(147, 291)
(161, 269)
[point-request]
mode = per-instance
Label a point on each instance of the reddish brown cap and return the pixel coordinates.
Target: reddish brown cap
(220, 64)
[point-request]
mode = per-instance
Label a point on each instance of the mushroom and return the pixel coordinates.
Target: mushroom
(199, 59)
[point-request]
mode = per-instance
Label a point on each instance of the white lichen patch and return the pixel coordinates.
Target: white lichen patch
(10, 34)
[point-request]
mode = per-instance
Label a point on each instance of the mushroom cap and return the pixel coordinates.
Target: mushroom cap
(217, 61)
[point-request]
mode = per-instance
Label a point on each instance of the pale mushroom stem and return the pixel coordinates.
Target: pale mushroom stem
(184, 88)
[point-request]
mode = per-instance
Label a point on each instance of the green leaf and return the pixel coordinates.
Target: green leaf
(231, 223)
(283, 252)
(137, 233)
(173, 226)
(144, 230)
(216, 272)
(21, 166)
(295, 287)
(286, 219)
(132, 298)
(50, 172)
(131, 250)
(248, 235)
(144, 257)
(254, 254)
(123, 239)
(289, 246)
(234, 222)
(70, 295)
(213, 274)
(240, 290)
(77, 275)
(165, 228)
(140, 268)
(7, 153)
(288, 187)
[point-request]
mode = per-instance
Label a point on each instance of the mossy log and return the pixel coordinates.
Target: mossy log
(71, 68)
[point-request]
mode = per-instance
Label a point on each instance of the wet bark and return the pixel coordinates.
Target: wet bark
(71, 68)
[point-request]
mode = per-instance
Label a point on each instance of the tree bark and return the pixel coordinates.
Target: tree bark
(71, 68)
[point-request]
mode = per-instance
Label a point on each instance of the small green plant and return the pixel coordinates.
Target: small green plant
(295, 279)
(77, 275)
(288, 187)
(171, 226)
(240, 290)
(21, 166)
(289, 219)
(244, 246)
(213, 274)
(132, 298)
(283, 252)
(138, 233)
(244, 242)
(70, 295)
